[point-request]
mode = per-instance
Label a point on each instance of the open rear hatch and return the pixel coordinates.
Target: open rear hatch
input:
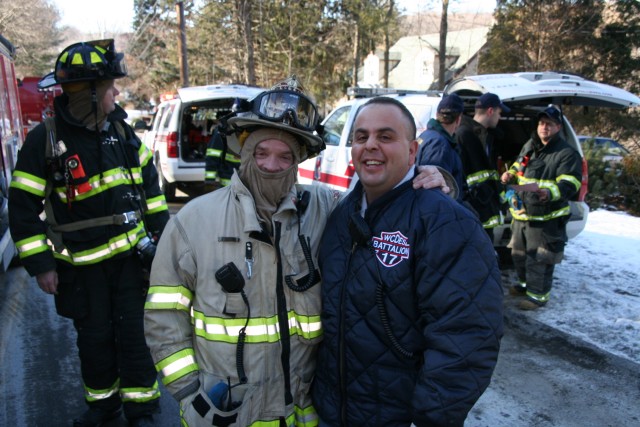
(542, 89)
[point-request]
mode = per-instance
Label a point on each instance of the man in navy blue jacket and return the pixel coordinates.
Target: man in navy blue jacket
(437, 144)
(412, 300)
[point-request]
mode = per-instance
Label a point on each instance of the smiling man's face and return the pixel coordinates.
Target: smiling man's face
(383, 149)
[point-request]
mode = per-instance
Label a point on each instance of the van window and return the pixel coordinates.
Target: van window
(158, 118)
(166, 118)
(334, 125)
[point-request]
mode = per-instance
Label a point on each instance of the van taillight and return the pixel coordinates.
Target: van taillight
(585, 181)
(172, 145)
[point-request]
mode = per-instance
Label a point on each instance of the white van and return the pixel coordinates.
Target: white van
(525, 93)
(182, 128)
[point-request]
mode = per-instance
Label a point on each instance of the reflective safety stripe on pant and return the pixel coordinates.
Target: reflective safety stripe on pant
(535, 248)
(116, 364)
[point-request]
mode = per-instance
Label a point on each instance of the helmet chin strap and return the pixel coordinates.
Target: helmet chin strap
(94, 107)
(94, 104)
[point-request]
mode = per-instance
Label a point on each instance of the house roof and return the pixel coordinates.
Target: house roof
(414, 51)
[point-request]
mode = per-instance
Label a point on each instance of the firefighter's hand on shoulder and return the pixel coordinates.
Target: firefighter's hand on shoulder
(430, 177)
(48, 281)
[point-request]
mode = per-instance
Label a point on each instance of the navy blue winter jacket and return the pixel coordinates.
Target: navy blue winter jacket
(435, 279)
(438, 148)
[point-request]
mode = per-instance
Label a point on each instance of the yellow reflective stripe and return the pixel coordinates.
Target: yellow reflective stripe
(231, 158)
(225, 182)
(140, 394)
(481, 176)
(300, 418)
(169, 298)
(552, 185)
(92, 395)
(145, 155)
(118, 244)
(492, 222)
(177, 365)
(549, 185)
(543, 298)
(305, 417)
(556, 214)
(157, 204)
(214, 152)
(274, 423)
(523, 180)
(571, 179)
(110, 179)
(32, 245)
(211, 175)
(515, 167)
(29, 183)
(308, 327)
(259, 330)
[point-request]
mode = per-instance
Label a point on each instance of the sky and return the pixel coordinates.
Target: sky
(94, 16)
(469, 6)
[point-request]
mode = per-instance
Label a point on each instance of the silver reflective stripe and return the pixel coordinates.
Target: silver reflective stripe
(234, 330)
(263, 329)
(32, 245)
(178, 365)
(27, 182)
(305, 327)
(164, 298)
(151, 205)
(140, 395)
(93, 395)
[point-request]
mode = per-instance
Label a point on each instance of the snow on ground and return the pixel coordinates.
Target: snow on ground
(596, 291)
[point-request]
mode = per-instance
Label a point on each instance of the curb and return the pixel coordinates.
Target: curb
(590, 355)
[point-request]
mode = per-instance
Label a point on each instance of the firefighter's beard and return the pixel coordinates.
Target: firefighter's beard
(268, 188)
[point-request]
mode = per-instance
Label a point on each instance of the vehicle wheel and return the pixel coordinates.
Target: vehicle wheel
(168, 188)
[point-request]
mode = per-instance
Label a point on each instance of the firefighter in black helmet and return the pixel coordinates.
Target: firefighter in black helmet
(104, 211)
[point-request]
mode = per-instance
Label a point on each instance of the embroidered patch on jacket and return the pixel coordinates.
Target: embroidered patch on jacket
(391, 248)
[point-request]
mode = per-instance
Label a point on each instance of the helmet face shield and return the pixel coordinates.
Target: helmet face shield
(288, 107)
(284, 107)
(118, 67)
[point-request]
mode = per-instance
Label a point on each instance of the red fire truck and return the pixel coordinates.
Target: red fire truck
(11, 139)
(36, 103)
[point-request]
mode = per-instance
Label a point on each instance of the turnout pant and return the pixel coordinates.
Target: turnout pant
(536, 247)
(116, 364)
